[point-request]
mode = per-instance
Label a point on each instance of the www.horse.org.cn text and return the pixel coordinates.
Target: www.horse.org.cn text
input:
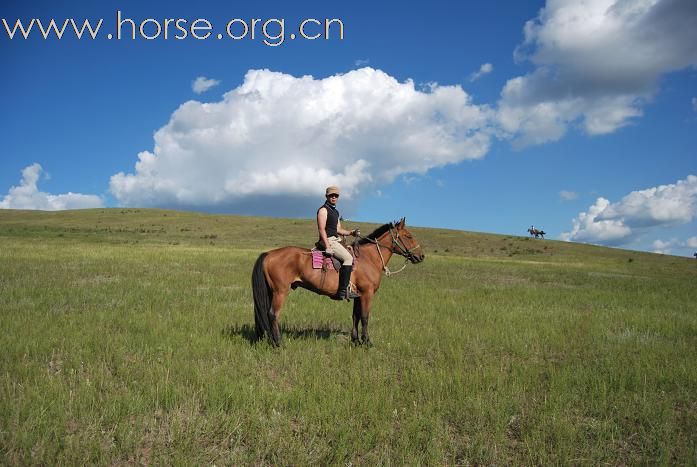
(271, 31)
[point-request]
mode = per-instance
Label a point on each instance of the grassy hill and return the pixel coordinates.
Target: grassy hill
(127, 339)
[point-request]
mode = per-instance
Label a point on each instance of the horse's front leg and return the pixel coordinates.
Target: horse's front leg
(356, 320)
(366, 300)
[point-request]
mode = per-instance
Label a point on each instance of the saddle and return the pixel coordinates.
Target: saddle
(325, 261)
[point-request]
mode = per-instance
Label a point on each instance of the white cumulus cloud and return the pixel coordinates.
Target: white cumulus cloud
(203, 84)
(596, 63)
(28, 196)
(664, 247)
(590, 228)
(279, 140)
(691, 242)
(617, 223)
(485, 69)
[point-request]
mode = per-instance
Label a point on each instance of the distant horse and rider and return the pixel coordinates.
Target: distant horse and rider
(330, 269)
(537, 233)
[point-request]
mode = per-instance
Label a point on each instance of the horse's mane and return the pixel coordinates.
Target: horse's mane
(377, 233)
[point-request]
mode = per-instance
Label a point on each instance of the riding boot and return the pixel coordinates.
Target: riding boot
(344, 292)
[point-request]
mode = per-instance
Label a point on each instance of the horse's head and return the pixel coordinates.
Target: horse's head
(405, 243)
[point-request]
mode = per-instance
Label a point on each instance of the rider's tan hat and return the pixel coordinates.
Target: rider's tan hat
(332, 190)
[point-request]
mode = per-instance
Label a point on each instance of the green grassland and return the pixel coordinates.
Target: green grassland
(127, 339)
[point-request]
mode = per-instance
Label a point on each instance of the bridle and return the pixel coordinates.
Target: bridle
(401, 250)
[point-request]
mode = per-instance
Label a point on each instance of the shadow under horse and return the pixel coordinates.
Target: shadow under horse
(279, 271)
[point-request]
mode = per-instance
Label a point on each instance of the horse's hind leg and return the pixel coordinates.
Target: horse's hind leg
(275, 315)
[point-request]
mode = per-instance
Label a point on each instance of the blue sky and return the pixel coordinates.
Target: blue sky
(579, 118)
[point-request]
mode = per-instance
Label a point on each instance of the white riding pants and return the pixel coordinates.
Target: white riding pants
(340, 253)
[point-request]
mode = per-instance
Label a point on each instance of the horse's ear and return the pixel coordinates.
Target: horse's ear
(402, 222)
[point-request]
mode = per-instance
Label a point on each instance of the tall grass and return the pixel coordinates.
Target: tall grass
(127, 338)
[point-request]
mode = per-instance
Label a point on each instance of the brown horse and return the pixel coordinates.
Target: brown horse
(537, 233)
(278, 271)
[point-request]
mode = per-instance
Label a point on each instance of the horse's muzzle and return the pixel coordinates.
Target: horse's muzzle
(415, 259)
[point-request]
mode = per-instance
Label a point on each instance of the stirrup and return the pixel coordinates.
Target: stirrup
(347, 294)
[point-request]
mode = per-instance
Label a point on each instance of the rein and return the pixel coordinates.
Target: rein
(405, 252)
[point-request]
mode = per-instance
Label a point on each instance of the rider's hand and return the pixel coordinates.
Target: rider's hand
(355, 232)
(329, 251)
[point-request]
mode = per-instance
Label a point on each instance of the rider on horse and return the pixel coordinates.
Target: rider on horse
(329, 227)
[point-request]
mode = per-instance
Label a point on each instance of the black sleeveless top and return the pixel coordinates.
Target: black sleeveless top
(332, 220)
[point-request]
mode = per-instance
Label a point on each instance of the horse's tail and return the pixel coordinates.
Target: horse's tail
(262, 298)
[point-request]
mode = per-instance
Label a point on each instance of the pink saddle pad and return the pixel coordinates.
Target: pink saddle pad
(318, 258)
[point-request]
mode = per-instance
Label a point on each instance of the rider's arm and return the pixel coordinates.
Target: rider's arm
(342, 231)
(322, 225)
